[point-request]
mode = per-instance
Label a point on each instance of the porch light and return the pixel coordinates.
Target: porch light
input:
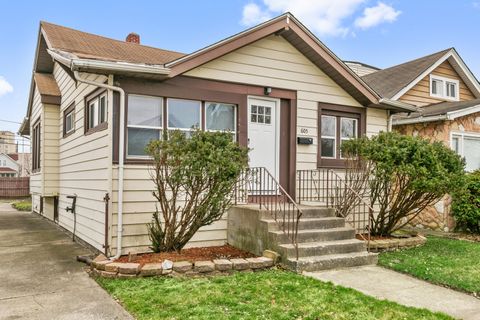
(267, 91)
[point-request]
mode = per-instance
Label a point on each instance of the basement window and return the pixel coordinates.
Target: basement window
(444, 88)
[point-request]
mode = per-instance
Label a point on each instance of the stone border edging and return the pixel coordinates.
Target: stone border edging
(112, 269)
(396, 243)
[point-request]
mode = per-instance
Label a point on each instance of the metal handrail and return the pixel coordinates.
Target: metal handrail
(365, 203)
(326, 186)
(263, 189)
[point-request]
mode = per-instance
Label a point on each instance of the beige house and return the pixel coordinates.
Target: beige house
(96, 102)
(447, 95)
(8, 144)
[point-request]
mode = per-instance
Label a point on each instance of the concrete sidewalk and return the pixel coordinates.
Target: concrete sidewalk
(39, 277)
(387, 284)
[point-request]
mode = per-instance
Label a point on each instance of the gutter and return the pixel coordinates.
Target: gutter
(121, 146)
(398, 104)
(420, 119)
(116, 66)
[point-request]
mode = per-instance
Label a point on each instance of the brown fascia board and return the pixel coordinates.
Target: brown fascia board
(285, 23)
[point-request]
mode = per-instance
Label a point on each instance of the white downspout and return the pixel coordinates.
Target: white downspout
(121, 147)
(389, 121)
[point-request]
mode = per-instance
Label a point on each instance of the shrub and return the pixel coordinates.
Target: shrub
(466, 204)
(194, 178)
(407, 174)
(24, 205)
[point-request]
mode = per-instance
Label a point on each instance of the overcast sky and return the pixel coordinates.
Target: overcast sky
(380, 33)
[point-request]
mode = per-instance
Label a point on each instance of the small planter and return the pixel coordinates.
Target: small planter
(396, 243)
(112, 269)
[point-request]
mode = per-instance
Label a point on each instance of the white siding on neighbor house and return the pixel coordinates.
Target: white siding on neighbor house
(268, 62)
(84, 164)
(50, 139)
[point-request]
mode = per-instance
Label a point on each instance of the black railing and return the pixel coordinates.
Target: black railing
(347, 195)
(257, 186)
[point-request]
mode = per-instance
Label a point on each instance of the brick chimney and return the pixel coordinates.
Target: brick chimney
(133, 38)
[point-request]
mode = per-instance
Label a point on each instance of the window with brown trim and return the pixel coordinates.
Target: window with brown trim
(96, 113)
(36, 147)
(336, 125)
(69, 120)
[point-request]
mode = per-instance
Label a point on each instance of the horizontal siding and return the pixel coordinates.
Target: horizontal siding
(50, 141)
(419, 95)
(36, 178)
(274, 62)
(138, 208)
(83, 164)
(377, 120)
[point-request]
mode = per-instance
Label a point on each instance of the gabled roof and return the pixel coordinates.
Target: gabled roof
(439, 112)
(90, 46)
(388, 82)
(13, 156)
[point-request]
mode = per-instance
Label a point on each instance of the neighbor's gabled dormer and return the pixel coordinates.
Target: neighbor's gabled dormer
(439, 77)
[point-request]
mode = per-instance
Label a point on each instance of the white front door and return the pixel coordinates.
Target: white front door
(263, 140)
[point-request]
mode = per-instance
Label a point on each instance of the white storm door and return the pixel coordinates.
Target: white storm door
(263, 122)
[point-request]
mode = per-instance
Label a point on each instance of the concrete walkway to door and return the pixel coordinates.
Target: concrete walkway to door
(39, 276)
(387, 284)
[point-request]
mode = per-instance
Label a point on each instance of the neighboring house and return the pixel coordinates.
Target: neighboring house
(274, 83)
(447, 95)
(9, 167)
(7, 142)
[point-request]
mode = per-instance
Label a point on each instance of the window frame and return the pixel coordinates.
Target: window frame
(461, 136)
(36, 146)
(160, 129)
(96, 96)
(338, 111)
(445, 81)
(203, 114)
(66, 113)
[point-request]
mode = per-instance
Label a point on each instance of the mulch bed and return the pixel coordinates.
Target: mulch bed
(191, 254)
(365, 237)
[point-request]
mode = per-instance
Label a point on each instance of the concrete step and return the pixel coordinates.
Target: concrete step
(322, 248)
(333, 261)
(315, 235)
(311, 223)
(307, 212)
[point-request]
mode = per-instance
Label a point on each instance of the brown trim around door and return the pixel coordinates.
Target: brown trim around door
(338, 111)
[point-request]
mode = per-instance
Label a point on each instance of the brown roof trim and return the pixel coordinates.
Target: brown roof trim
(48, 88)
(284, 24)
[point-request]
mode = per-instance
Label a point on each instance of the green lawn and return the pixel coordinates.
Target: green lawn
(23, 205)
(454, 263)
(260, 295)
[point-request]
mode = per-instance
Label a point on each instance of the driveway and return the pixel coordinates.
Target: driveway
(39, 276)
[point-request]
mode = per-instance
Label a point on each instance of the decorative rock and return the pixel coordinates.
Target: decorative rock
(223, 264)
(255, 263)
(100, 265)
(126, 276)
(100, 257)
(151, 269)
(166, 271)
(112, 267)
(167, 264)
(240, 264)
(182, 266)
(107, 274)
(267, 262)
(204, 266)
(129, 268)
(272, 255)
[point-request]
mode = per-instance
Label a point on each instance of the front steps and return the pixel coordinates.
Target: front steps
(324, 241)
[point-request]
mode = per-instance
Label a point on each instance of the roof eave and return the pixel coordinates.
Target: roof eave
(420, 119)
